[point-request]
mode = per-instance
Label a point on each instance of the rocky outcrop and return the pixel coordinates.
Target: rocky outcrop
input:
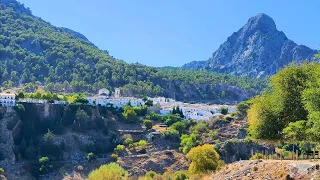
(258, 49)
(169, 160)
(10, 127)
(235, 150)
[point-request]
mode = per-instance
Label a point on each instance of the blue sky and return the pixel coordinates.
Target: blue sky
(174, 32)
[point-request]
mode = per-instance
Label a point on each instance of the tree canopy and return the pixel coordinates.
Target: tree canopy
(290, 109)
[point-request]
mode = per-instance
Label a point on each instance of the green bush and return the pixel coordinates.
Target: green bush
(203, 159)
(181, 176)
(19, 108)
(213, 134)
(128, 141)
(43, 160)
(111, 171)
(153, 116)
(91, 157)
(200, 128)
(151, 174)
(141, 111)
(1, 171)
(129, 115)
(148, 124)
(119, 148)
(44, 165)
(189, 141)
(229, 119)
(172, 135)
(142, 143)
(257, 156)
(224, 111)
(179, 126)
(114, 157)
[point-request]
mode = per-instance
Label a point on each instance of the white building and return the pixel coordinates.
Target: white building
(117, 93)
(7, 99)
(104, 92)
(162, 100)
(117, 101)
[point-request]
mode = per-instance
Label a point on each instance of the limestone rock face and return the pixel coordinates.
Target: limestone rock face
(10, 126)
(258, 49)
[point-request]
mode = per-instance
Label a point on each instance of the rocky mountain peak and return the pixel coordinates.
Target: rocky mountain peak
(261, 22)
(257, 49)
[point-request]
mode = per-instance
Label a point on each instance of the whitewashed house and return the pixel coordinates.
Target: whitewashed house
(104, 92)
(7, 99)
(103, 99)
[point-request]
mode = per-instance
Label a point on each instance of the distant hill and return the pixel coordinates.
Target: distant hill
(258, 49)
(34, 53)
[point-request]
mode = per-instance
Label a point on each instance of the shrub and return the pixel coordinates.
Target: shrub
(80, 168)
(224, 110)
(142, 143)
(44, 165)
(1, 171)
(128, 141)
(43, 160)
(49, 136)
(129, 115)
(82, 120)
(148, 124)
(188, 142)
(172, 135)
(229, 119)
(19, 108)
(257, 156)
(114, 157)
(181, 176)
(213, 134)
(200, 128)
(119, 148)
(179, 126)
(203, 159)
(91, 157)
(151, 174)
(141, 111)
(172, 118)
(153, 116)
(111, 171)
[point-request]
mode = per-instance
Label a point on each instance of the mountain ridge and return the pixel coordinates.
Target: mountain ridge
(33, 54)
(257, 49)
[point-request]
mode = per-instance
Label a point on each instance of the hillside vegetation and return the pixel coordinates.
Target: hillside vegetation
(34, 53)
(290, 109)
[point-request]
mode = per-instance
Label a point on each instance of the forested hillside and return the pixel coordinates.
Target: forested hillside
(35, 53)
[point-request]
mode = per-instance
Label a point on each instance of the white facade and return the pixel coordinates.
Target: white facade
(162, 100)
(36, 101)
(117, 93)
(165, 111)
(115, 102)
(7, 99)
(104, 92)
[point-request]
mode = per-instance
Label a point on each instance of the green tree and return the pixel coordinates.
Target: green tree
(203, 159)
(148, 124)
(81, 119)
(179, 126)
(129, 114)
(189, 141)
